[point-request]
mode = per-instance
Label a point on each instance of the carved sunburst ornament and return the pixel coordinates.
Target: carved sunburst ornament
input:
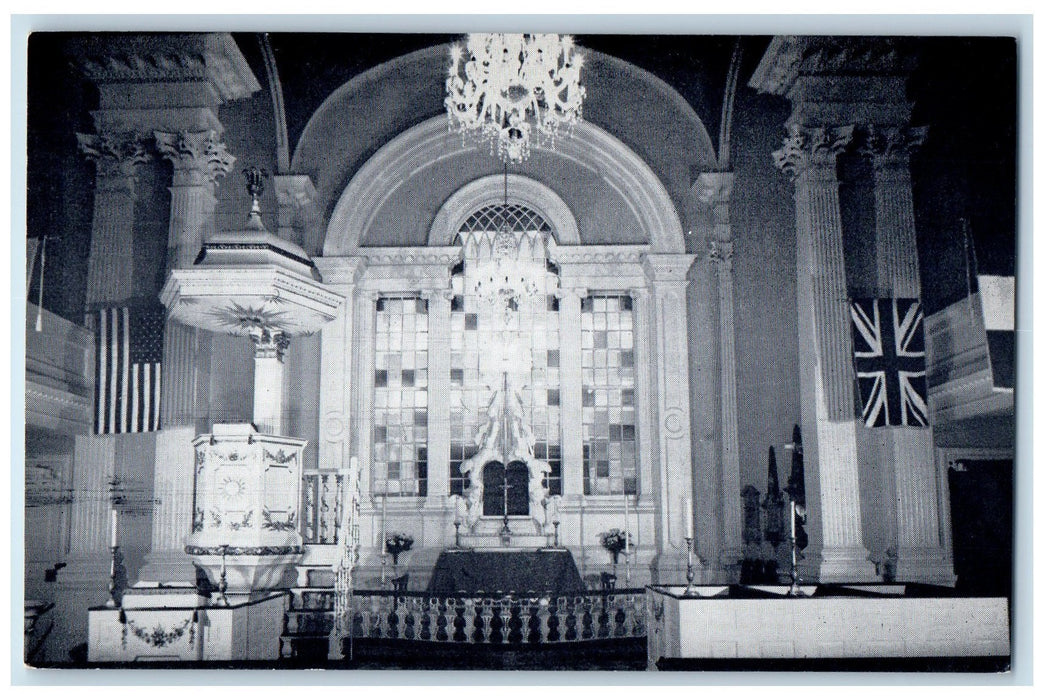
(239, 320)
(233, 488)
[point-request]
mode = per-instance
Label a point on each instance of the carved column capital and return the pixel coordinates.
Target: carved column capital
(714, 190)
(891, 146)
(721, 253)
(199, 158)
(806, 148)
(269, 342)
(117, 158)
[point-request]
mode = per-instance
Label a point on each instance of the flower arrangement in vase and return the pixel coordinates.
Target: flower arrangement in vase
(615, 541)
(396, 543)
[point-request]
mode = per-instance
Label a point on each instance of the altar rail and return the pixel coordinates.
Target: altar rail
(493, 619)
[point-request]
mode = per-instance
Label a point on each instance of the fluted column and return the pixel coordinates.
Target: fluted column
(110, 267)
(809, 157)
(668, 278)
(909, 453)
(571, 391)
(438, 395)
(715, 190)
(199, 159)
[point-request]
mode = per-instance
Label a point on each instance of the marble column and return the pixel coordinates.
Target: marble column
(269, 347)
(199, 159)
(110, 268)
(828, 400)
(438, 397)
(908, 451)
(714, 190)
(571, 393)
(667, 276)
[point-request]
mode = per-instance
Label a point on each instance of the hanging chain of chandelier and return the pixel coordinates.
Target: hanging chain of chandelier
(514, 90)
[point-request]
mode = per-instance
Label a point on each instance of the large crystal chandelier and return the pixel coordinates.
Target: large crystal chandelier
(513, 89)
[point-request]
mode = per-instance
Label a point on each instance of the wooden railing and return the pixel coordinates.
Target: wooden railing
(490, 619)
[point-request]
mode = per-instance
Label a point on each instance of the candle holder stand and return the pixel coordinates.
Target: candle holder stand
(690, 570)
(456, 534)
(556, 533)
(114, 586)
(222, 600)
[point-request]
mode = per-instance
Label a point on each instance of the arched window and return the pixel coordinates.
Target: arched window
(488, 341)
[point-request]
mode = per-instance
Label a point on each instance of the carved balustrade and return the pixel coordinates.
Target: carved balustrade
(321, 501)
(492, 619)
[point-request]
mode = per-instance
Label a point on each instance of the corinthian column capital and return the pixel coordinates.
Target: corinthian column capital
(714, 190)
(721, 253)
(116, 157)
(891, 145)
(199, 158)
(811, 147)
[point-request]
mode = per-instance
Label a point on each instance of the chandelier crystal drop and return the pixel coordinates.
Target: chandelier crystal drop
(514, 90)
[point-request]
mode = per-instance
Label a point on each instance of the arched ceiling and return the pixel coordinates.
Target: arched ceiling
(631, 104)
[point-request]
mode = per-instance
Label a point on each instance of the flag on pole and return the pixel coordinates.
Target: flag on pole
(796, 487)
(129, 348)
(888, 344)
(997, 296)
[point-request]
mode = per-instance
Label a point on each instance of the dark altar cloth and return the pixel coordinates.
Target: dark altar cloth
(469, 572)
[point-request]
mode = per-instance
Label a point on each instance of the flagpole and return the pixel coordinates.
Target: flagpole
(39, 305)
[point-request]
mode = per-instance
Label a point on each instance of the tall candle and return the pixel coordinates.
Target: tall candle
(627, 535)
(113, 522)
(384, 524)
(688, 518)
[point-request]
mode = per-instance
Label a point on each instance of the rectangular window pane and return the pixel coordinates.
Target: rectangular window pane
(607, 359)
(400, 433)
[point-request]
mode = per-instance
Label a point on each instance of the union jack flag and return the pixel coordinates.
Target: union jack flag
(888, 344)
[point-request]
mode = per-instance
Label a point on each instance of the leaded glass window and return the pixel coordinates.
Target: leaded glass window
(472, 333)
(526, 333)
(609, 406)
(400, 397)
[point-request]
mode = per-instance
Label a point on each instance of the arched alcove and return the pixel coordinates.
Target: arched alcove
(618, 175)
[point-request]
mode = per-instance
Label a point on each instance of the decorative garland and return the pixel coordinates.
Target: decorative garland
(159, 637)
(245, 551)
(290, 524)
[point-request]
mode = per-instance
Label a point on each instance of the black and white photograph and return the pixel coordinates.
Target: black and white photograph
(506, 351)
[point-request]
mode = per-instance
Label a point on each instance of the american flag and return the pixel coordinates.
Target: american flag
(129, 345)
(888, 344)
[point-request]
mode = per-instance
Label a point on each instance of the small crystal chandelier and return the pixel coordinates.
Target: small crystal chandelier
(506, 268)
(513, 89)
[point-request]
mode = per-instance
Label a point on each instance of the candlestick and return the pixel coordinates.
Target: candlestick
(690, 571)
(113, 584)
(223, 581)
(795, 589)
(384, 525)
(627, 535)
